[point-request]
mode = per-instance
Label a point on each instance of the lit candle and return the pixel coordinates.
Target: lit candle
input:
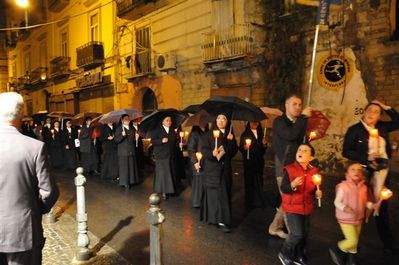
(374, 141)
(248, 144)
(216, 134)
(78, 131)
(137, 138)
(199, 157)
(181, 134)
(52, 131)
(264, 132)
(386, 194)
(316, 179)
(312, 135)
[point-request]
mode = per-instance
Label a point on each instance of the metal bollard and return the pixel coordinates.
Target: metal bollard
(83, 254)
(155, 218)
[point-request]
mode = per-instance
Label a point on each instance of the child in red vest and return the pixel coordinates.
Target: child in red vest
(350, 209)
(298, 193)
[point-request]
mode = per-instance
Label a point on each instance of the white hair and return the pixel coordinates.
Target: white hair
(11, 107)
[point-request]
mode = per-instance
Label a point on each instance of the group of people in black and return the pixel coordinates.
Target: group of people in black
(96, 148)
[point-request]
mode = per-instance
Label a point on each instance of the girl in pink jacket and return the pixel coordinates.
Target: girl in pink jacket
(351, 201)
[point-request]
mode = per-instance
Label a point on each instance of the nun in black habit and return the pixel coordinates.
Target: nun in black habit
(216, 165)
(70, 153)
(252, 147)
(56, 146)
(193, 146)
(125, 137)
(165, 142)
(109, 169)
(89, 158)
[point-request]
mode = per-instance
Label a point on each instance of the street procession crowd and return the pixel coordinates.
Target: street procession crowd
(112, 146)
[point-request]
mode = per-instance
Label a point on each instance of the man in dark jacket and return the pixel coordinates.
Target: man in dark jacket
(27, 189)
(288, 133)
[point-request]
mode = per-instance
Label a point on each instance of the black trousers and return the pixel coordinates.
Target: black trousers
(30, 257)
(383, 226)
(294, 245)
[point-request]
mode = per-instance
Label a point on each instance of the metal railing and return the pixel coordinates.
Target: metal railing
(142, 62)
(126, 5)
(234, 42)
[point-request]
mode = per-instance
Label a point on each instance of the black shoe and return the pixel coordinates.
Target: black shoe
(284, 259)
(351, 259)
(301, 261)
(338, 256)
(224, 228)
(97, 173)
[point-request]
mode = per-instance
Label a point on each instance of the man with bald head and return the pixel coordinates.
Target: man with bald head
(27, 191)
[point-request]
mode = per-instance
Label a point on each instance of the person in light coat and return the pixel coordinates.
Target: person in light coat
(27, 190)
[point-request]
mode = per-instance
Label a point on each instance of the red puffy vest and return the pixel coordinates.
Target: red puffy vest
(301, 200)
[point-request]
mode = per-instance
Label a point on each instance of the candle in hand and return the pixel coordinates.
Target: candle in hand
(181, 134)
(52, 131)
(374, 141)
(248, 143)
(216, 134)
(316, 179)
(386, 194)
(199, 157)
(312, 135)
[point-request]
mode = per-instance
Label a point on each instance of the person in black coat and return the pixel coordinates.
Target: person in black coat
(125, 137)
(89, 158)
(357, 147)
(45, 131)
(165, 143)
(197, 132)
(69, 135)
(252, 156)
(55, 145)
(139, 150)
(218, 180)
(109, 170)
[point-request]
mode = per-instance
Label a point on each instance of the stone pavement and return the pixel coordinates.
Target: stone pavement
(61, 244)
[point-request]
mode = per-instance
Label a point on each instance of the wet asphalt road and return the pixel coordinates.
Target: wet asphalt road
(118, 217)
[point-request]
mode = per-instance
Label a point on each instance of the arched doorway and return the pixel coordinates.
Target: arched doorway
(149, 103)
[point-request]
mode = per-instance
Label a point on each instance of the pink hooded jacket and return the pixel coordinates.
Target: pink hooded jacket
(355, 196)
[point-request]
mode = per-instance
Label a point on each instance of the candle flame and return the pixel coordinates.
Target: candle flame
(312, 135)
(316, 179)
(216, 133)
(248, 141)
(374, 132)
(198, 155)
(386, 194)
(181, 134)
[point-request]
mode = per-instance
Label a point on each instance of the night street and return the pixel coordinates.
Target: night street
(118, 216)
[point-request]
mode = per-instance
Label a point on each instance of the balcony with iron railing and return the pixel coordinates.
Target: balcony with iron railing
(141, 65)
(90, 55)
(57, 5)
(134, 9)
(59, 67)
(233, 43)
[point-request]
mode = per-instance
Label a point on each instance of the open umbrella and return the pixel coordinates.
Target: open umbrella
(115, 115)
(200, 118)
(26, 118)
(317, 125)
(154, 120)
(60, 115)
(238, 109)
(192, 109)
(272, 113)
(78, 119)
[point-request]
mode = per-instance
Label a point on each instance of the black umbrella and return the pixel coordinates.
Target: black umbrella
(154, 120)
(80, 118)
(238, 109)
(192, 109)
